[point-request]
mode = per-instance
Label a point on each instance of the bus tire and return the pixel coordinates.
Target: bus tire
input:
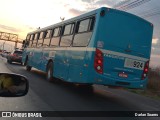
(49, 75)
(28, 68)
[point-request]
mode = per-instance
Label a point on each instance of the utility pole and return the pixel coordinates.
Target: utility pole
(3, 45)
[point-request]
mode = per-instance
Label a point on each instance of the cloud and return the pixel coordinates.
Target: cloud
(76, 12)
(155, 46)
(89, 5)
(94, 4)
(156, 43)
(10, 29)
(155, 51)
(88, 1)
(102, 2)
(29, 27)
(107, 2)
(155, 40)
(154, 61)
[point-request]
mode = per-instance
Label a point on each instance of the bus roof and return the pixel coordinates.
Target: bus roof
(82, 16)
(67, 21)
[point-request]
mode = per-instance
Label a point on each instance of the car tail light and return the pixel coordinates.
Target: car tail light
(14, 54)
(145, 70)
(98, 61)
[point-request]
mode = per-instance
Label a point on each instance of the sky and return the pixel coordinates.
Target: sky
(23, 16)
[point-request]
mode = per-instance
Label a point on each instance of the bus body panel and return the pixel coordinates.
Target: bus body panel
(27, 55)
(69, 63)
(78, 71)
(60, 64)
(47, 55)
(37, 58)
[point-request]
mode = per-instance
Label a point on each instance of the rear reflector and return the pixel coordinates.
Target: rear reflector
(145, 70)
(98, 61)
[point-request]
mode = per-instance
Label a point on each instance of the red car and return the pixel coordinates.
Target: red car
(15, 56)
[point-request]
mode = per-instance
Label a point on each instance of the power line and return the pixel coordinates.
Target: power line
(130, 5)
(150, 13)
(123, 6)
(127, 5)
(121, 3)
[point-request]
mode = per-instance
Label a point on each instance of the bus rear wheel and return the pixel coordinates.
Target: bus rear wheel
(49, 75)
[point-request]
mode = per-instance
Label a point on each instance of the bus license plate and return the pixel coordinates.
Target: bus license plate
(130, 63)
(124, 75)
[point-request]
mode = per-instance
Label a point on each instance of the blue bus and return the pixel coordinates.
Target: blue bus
(105, 46)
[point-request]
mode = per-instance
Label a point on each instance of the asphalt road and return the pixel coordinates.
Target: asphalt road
(61, 96)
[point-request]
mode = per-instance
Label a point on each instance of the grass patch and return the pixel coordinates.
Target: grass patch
(153, 87)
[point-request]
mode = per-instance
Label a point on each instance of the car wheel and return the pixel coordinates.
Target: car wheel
(28, 68)
(9, 61)
(49, 75)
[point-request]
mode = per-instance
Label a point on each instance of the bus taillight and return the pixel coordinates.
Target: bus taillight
(145, 71)
(98, 61)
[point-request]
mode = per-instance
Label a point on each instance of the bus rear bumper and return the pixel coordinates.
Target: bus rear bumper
(139, 84)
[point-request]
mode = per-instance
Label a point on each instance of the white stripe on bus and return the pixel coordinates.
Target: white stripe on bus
(103, 50)
(72, 48)
(123, 55)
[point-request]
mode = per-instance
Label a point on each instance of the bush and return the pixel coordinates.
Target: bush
(154, 79)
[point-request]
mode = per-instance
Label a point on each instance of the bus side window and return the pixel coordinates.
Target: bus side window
(41, 35)
(67, 35)
(56, 36)
(83, 26)
(27, 40)
(35, 40)
(40, 40)
(28, 37)
(31, 40)
(84, 30)
(47, 38)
